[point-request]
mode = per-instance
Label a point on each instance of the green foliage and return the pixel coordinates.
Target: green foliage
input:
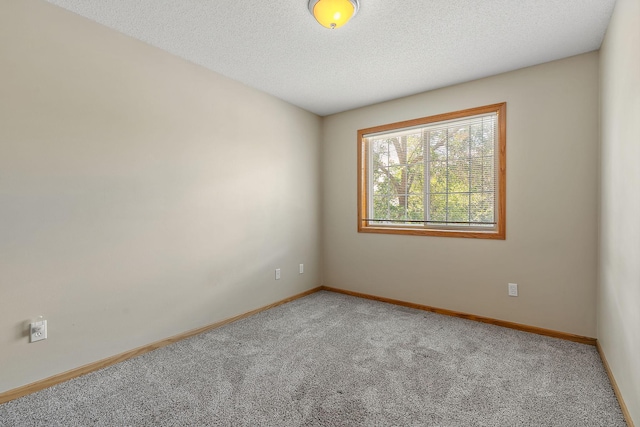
(459, 169)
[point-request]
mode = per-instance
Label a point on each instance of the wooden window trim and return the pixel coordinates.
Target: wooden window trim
(498, 233)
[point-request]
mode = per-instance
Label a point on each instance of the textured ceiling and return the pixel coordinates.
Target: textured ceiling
(390, 49)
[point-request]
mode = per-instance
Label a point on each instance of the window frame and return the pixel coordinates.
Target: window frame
(498, 232)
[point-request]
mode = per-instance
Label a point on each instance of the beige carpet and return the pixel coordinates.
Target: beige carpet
(335, 360)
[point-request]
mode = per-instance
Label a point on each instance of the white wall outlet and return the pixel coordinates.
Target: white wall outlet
(513, 289)
(301, 268)
(277, 274)
(38, 330)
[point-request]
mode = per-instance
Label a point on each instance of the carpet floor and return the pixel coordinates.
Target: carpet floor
(334, 360)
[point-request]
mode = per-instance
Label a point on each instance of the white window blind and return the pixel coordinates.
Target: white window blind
(441, 174)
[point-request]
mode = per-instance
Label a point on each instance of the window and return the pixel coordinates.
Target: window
(442, 175)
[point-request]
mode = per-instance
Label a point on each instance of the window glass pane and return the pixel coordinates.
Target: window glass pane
(482, 178)
(476, 139)
(415, 208)
(380, 207)
(437, 145)
(488, 133)
(381, 183)
(458, 143)
(414, 148)
(482, 207)
(437, 177)
(488, 174)
(437, 207)
(415, 179)
(397, 178)
(458, 208)
(397, 153)
(398, 207)
(458, 176)
(379, 151)
(477, 172)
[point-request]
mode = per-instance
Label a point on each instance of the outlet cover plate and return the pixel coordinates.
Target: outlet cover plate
(38, 331)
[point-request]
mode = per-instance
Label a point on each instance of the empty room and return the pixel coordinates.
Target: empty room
(319, 213)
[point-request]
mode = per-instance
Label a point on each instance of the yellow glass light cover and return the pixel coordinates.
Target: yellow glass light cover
(333, 13)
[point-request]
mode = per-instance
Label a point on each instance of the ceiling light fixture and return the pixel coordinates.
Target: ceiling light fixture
(333, 14)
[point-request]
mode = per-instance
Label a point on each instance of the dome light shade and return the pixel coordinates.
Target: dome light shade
(333, 13)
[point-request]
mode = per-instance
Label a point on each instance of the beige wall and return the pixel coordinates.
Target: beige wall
(619, 289)
(141, 196)
(552, 180)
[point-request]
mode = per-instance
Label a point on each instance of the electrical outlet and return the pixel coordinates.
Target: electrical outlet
(38, 330)
(513, 289)
(277, 274)
(301, 268)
